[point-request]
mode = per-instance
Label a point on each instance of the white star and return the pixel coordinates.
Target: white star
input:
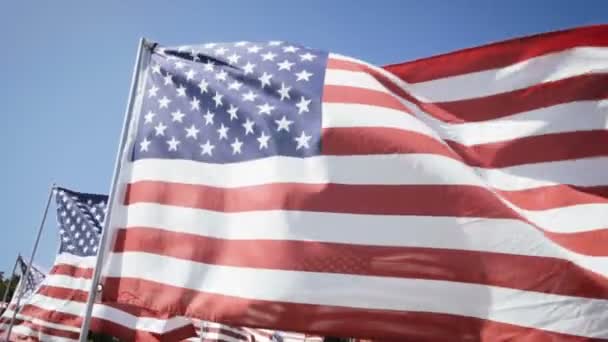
(156, 69)
(236, 146)
(195, 104)
(164, 102)
(307, 57)
(265, 108)
(274, 42)
(209, 65)
(221, 75)
(254, 49)
(284, 92)
(303, 140)
(290, 48)
(263, 140)
(303, 105)
(203, 85)
(152, 91)
(285, 65)
(190, 74)
(168, 79)
(248, 126)
(265, 79)
(143, 145)
(160, 129)
(303, 75)
(250, 96)
(209, 118)
(192, 132)
(220, 51)
(173, 144)
(148, 117)
(248, 68)
(207, 148)
(223, 131)
(177, 116)
(283, 124)
(268, 56)
(234, 58)
(236, 85)
(179, 65)
(194, 55)
(218, 99)
(232, 111)
(243, 43)
(181, 91)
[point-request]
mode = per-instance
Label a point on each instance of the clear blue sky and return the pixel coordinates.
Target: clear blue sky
(66, 65)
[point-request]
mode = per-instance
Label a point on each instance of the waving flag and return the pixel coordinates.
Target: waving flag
(460, 197)
(30, 283)
(54, 312)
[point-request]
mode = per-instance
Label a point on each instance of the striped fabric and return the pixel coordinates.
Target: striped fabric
(460, 197)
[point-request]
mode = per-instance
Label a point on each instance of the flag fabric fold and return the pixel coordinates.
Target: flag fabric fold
(460, 197)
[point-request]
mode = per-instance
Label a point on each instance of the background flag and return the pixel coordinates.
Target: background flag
(54, 312)
(460, 197)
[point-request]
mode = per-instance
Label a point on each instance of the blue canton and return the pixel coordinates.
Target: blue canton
(80, 217)
(232, 102)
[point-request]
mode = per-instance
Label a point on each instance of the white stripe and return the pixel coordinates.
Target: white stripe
(149, 324)
(569, 117)
(64, 281)
(358, 79)
(578, 316)
(546, 68)
(467, 234)
(45, 323)
(336, 115)
(387, 169)
(74, 260)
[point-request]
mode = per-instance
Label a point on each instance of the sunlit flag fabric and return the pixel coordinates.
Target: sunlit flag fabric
(31, 282)
(54, 312)
(455, 198)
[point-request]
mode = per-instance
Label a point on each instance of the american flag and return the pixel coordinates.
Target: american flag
(54, 312)
(30, 282)
(458, 197)
(216, 332)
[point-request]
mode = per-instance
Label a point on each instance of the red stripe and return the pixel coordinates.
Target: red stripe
(500, 54)
(347, 141)
(463, 200)
(578, 88)
(539, 274)
(72, 271)
(423, 200)
(72, 295)
(556, 196)
(344, 94)
(535, 149)
(321, 320)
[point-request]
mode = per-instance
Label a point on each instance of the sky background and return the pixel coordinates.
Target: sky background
(65, 68)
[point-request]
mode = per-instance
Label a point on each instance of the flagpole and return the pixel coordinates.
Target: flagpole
(10, 282)
(143, 44)
(32, 256)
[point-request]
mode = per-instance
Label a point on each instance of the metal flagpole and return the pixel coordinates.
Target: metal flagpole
(10, 282)
(29, 264)
(141, 49)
